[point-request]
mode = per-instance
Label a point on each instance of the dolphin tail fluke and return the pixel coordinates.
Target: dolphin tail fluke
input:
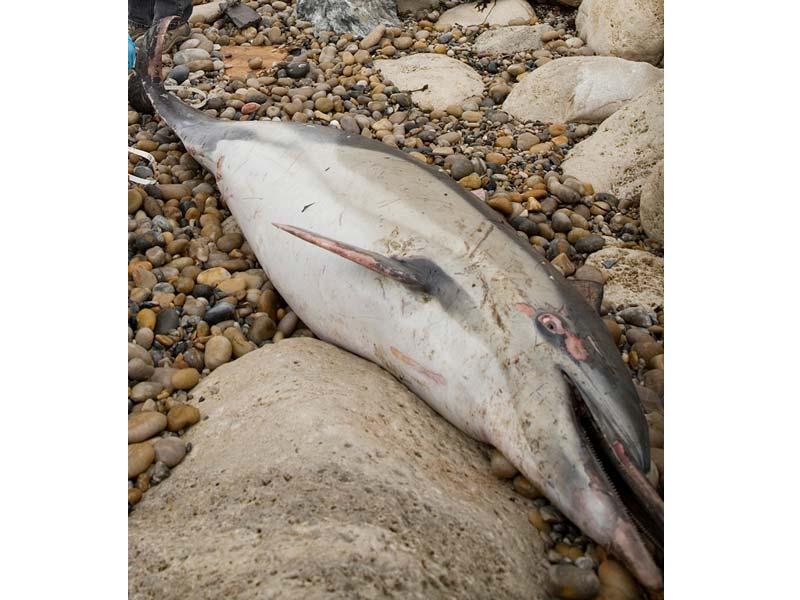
(385, 265)
(149, 87)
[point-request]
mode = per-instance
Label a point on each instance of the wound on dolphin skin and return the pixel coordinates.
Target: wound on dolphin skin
(554, 325)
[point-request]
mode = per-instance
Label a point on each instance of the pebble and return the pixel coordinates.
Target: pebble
(218, 351)
(262, 329)
(140, 457)
(169, 450)
(166, 321)
(182, 416)
(179, 73)
(568, 581)
(144, 425)
(146, 390)
(589, 244)
(288, 323)
(185, 379)
(636, 315)
(138, 370)
(159, 473)
(134, 495)
(616, 583)
(525, 488)
(221, 311)
(500, 466)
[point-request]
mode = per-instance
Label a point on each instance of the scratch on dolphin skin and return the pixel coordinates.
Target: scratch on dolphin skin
(307, 206)
(407, 360)
(483, 239)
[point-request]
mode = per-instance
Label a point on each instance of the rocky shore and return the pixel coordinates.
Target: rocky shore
(538, 110)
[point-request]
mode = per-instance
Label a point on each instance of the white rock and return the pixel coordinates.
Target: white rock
(510, 40)
(651, 204)
(205, 13)
(449, 81)
(498, 12)
(318, 475)
(583, 89)
(633, 277)
(190, 54)
(632, 29)
(625, 149)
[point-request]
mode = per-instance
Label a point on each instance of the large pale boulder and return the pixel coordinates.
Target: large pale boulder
(651, 204)
(585, 89)
(625, 149)
(632, 29)
(315, 474)
(510, 40)
(358, 17)
(498, 12)
(633, 277)
(448, 80)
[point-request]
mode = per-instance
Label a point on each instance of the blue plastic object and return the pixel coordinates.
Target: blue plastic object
(131, 53)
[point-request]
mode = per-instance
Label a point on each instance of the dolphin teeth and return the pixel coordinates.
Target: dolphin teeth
(614, 480)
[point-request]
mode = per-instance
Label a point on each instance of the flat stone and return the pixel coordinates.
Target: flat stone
(634, 277)
(497, 12)
(449, 81)
(626, 148)
(510, 40)
(583, 89)
(301, 471)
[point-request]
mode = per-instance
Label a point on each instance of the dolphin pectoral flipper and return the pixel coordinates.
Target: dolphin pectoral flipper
(385, 265)
(591, 291)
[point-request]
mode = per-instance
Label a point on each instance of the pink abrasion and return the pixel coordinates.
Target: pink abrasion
(575, 347)
(432, 375)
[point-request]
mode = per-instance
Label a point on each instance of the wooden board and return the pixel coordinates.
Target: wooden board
(237, 57)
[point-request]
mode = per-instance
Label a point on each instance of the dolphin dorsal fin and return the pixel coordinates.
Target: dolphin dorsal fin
(393, 268)
(591, 291)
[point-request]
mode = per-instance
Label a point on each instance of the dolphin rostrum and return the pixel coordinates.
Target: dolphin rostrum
(397, 263)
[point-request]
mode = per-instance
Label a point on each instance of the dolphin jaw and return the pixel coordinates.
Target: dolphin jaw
(635, 536)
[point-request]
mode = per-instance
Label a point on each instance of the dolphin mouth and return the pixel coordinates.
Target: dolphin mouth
(642, 504)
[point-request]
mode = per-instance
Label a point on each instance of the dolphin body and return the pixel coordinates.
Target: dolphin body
(395, 262)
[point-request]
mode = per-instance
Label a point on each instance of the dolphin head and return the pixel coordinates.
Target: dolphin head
(575, 425)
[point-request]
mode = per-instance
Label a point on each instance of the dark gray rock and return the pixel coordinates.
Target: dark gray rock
(179, 73)
(358, 17)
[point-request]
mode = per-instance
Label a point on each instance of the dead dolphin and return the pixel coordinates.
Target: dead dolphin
(395, 262)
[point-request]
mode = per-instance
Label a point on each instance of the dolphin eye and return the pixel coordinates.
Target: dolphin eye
(551, 323)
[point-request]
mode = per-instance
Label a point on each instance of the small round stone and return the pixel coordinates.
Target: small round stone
(182, 416)
(218, 351)
(144, 425)
(140, 457)
(185, 379)
(500, 466)
(568, 581)
(169, 450)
